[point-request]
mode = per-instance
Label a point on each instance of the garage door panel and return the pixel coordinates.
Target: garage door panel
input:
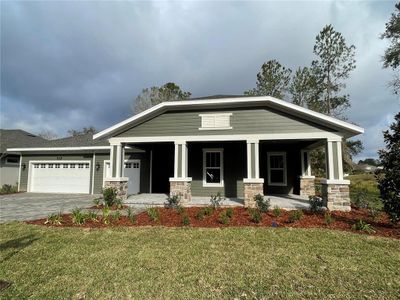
(72, 177)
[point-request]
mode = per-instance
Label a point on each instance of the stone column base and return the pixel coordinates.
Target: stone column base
(307, 186)
(120, 184)
(181, 187)
(336, 194)
(252, 187)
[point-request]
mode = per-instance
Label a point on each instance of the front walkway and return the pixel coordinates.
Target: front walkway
(288, 202)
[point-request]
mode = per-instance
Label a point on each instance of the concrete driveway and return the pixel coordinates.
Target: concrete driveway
(30, 206)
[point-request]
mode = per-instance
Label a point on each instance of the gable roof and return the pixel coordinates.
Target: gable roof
(15, 138)
(346, 128)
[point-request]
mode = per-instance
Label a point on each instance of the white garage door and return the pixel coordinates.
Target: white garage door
(132, 171)
(60, 177)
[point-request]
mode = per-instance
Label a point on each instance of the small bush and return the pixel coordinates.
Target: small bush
(180, 209)
(118, 203)
(96, 201)
(316, 204)
(109, 196)
(216, 200)
(153, 213)
(116, 216)
(360, 197)
(277, 211)
(229, 212)
(374, 212)
(262, 203)
(328, 219)
(92, 215)
(295, 215)
(8, 189)
(106, 215)
(78, 217)
(131, 215)
(186, 220)
(174, 201)
(223, 218)
(54, 219)
(255, 215)
(208, 211)
(363, 226)
(200, 215)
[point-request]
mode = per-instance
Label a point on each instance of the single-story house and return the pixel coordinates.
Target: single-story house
(238, 146)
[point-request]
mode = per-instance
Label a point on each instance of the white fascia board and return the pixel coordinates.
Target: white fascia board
(262, 99)
(59, 149)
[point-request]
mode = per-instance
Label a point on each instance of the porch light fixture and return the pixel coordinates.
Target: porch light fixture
(97, 166)
(23, 166)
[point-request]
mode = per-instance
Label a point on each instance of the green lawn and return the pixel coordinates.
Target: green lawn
(187, 263)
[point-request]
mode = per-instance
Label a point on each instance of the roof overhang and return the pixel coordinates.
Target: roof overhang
(346, 128)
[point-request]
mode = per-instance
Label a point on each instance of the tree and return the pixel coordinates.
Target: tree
(389, 182)
(155, 95)
(391, 59)
(370, 161)
(273, 80)
(350, 149)
(334, 62)
(48, 135)
(85, 130)
(304, 89)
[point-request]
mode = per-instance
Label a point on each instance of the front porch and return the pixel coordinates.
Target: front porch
(288, 202)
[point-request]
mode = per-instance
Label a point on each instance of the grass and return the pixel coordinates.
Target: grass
(365, 186)
(186, 263)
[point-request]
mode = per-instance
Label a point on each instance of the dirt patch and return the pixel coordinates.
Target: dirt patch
(4, 284)
(169, 217)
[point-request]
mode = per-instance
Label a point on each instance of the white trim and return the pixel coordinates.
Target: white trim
(184, 164)
(180, 179)
(256, 159)
(253, 180)
(93, 170)
(263, 100)
(116, 179)
(19, 172)
(176, 157)
(305, 170)
(249, 160)
(31, 162)
(215, 114)
(331, 173)
(228, 137)
(112, 160)
(59, 149)
(306, 177)
(151, 172)
(283, 154)
(339, 160)
(215, 128)
(221, 167)
(334, 181)
(118, 162)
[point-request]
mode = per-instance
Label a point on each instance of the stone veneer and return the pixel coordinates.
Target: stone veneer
(252, 189)
(307, 186)
(120, 185)
(336, 196)
(182, 189)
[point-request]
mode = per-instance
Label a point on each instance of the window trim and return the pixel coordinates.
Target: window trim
(221, 152)
(283, 154)
(13, 163)
(215, 115)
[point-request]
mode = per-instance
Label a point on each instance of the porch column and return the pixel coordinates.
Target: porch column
(180, 184)
(117, 180)
(335, 190)
(307, 181)
(253, 184)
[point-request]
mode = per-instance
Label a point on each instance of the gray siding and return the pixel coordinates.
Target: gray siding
(8, 172)
(243, 121)
(98, 174)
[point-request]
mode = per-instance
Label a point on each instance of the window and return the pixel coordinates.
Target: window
(215, 121)
(12, 160)
(36, 166)
(80, 166)
(57, 166)
(42, 166)
(128, 165)
(50, 166)
(72, 166)
(65, 166)
(213, 174)
(136, 165)
(277, 168)
(87, 166)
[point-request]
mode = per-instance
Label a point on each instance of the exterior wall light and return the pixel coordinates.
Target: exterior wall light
(23, 166)
(97, 166)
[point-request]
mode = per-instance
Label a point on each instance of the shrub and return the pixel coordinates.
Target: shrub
(216, 200)
(180, 209)
(328, 219)
(223, 218)
(229, 212)
(200, 215)
(262, 203)
(374, 212)
(118, 203)
(208, 211)
(116, 215)
(186, 220)
(96, 201)
(174, 201)
(363, 226)
(295, 215)
(106, 214)
(360, 198)
(78, 217)
(131, 215)
(8, 189)
(54, 219)
(92, 215)
(109, 196)
(153, 213)
(316, 204)
(255, 215)
(277, 211)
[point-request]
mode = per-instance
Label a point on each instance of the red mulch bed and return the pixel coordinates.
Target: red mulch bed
(113, 207)
(171, 218)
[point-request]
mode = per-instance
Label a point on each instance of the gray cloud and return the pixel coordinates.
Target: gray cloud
(73, 64)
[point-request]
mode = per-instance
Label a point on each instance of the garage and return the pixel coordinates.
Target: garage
(60, 177)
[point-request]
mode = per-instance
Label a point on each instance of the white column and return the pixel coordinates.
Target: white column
(256, 159)
(118, 162)
(340, 160)
(112, 161)
(176, 157)
(329, 159)
(305, 163)
(249, 171)
(184, 162)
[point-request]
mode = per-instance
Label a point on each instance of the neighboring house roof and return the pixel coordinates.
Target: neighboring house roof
(16, 138)
(220, 101)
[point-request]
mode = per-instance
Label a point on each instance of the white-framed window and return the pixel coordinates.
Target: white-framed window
(87, 166)
(12, 160)
(57, 166)
(50, 166)
(72, 166)
(220, 121)
(213, 167)
(65, 166)
(42, 166)
(277, 172)
(36, 166)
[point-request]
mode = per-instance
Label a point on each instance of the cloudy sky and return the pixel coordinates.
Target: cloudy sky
(72, 64)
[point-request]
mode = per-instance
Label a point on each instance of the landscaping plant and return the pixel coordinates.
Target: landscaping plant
(262, 203)
(174, 201)
(363, 226)
(316, 204)
(78, 217)
(295, 215)
(116, 216)
(109, 196)
(216, 200)
(223, 218)
(96, 201)
(118, 203)
(92, 215)
(180, 209)
(200, 215)
(153, 213)
(229, 212)
(328, 219)
(186, 220)
(106, 215)
(255, 215)
(277, 211)
(8, 189)
(54, 219)
(208, 211)
(131, 215)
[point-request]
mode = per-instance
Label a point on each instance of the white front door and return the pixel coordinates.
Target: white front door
(132, 171)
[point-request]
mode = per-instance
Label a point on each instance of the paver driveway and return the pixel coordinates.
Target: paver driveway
(29, 206)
